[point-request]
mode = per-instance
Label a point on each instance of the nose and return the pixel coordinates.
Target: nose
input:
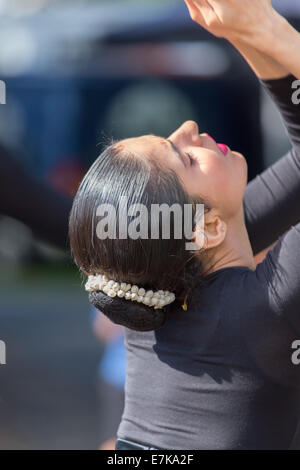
(190, 127)
(187, 133)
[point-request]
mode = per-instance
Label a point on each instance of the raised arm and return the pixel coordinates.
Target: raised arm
(272, 200)
(253, 25)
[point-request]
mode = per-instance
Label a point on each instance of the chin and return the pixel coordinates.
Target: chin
(239, 155)
(240, 172)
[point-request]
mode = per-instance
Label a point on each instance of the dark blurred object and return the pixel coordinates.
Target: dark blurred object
(33, 202)
(78, 75)
(290, 8)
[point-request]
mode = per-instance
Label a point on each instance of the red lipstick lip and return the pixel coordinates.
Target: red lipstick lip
(211, 138)
(224, 149)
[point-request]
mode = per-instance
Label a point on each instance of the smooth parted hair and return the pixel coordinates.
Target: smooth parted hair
(154, 264)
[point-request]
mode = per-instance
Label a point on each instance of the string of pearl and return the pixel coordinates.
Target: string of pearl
(113, 289)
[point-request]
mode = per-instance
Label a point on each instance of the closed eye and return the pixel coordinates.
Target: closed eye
(192, 160)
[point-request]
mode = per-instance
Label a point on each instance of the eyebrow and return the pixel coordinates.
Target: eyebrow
(176, 151)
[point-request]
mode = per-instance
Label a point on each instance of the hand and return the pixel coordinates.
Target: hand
(236, 20)
(266, 39)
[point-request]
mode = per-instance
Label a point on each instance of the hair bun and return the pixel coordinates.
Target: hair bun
(132, 315)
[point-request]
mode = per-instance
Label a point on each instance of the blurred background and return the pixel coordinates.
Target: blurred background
(78, 73)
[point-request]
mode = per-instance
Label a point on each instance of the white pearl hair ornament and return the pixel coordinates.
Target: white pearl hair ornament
(126, 291)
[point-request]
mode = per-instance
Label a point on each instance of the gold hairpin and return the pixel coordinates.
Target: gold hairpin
(184, 306)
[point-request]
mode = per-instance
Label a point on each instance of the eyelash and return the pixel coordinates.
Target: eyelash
(191, 158)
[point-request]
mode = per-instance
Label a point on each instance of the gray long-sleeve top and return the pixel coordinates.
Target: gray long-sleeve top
(222, 374)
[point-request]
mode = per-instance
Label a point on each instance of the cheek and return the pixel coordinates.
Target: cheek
(225, 184)
(219, 182)
(234, 186)
(216, 181)
(207, 181)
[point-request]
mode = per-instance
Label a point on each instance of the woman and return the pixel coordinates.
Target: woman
(214, 368)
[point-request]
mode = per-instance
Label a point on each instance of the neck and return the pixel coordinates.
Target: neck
(234, 251)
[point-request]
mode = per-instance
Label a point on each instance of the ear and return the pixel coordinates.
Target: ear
(215, 230)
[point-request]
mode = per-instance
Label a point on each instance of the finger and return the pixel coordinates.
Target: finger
(205, 10)
(195, 12)
(216, 7)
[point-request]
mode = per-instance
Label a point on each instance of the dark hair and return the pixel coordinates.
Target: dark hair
(155, 264)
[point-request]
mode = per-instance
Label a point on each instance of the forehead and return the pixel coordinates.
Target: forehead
(150, 145)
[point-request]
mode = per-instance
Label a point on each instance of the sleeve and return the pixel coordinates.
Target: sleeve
(33, 202)
(272, 199)
(281, 271)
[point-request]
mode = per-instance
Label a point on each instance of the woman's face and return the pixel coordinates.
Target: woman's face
(207, 170)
